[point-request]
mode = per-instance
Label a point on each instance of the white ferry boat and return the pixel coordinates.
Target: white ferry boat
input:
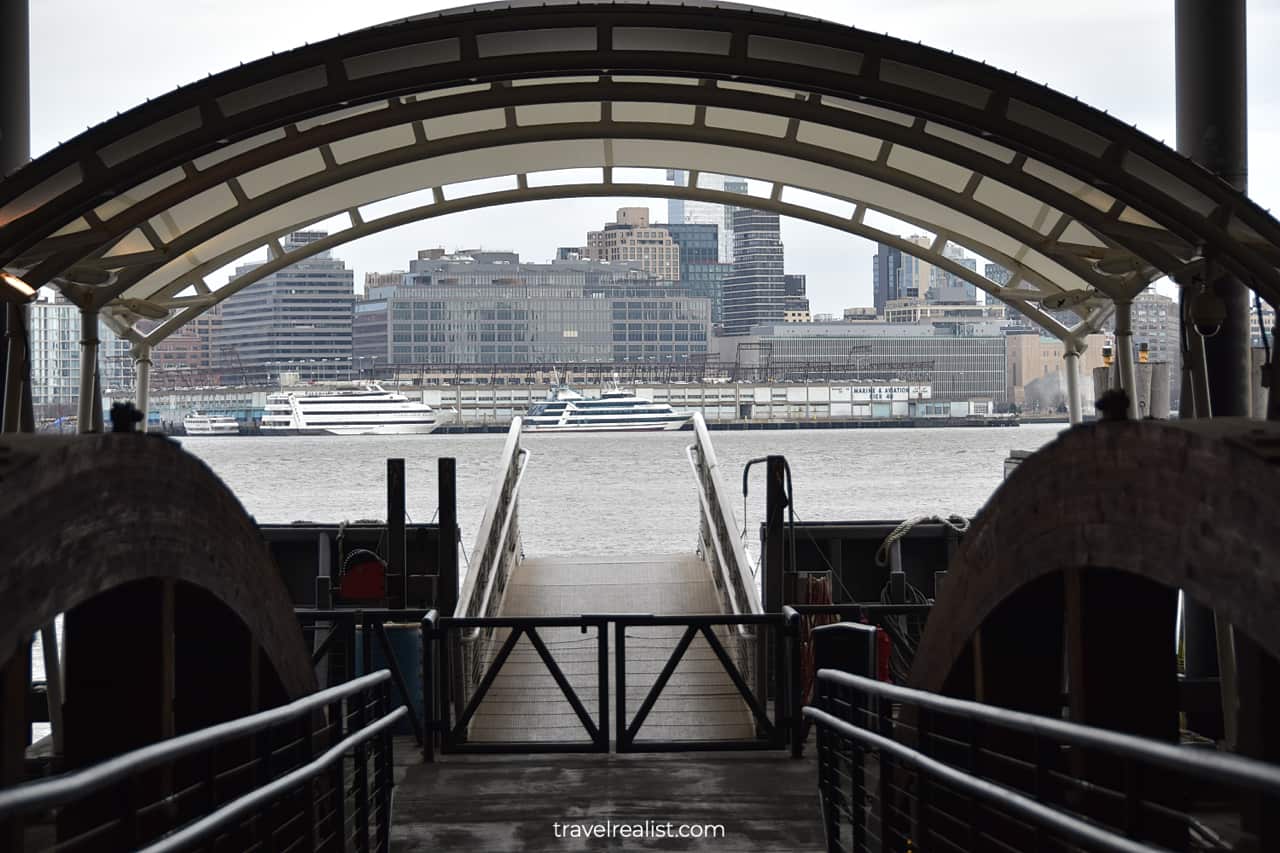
(613, 411)
(198, 423)
(369, 410)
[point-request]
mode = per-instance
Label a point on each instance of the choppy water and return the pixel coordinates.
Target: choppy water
(599, 493)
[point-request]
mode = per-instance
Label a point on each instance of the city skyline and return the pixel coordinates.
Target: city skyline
(203, 37)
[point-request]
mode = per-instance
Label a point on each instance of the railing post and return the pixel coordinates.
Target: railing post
(429, 686)
(397, 597)
(362, 770)
(620, 684)
(602, 676)
(446, 597)
(383, 769)
(337, 727)
(795, 682)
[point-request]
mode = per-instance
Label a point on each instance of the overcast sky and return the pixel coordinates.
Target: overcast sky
(92, 59)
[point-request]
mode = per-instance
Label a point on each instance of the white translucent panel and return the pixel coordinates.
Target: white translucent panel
(930, 168)
(1239, 230)
(656, 113)
(144, 190)
(330, 224)
(403, 58)
(667, 39)
(551, 81)
(1133, 216)
(463, 123)
(198, 209)
(450, 91)
(130, 244)
(665, 81)
(274, 175)
(339, 115)
(483, 186)
(156, 133)
(273, 90)
(517, 43)
(757, 89)
(869, 110)
(1091, 195)
(1161, 180)
(75, 226)
(398, 204)
(804, 53)
(968, 140)
(890, 226)
(41, 194)
(1017, 205)
(362, 192)
(1079, 235)
(565, 177)
(638, 175)
(570, 113)
(235, 149)
(1056, 127)
(933, 83)
(844, 141)
(820, 202)
(373, 142)
(747, 122)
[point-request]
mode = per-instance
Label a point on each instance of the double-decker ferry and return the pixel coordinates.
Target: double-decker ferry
(615, 410)
(369, 410)
(198, 423)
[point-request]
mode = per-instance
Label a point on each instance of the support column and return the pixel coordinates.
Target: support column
(16, 369)
(1210, 51)
(1124, 354)
(88, 369)
(15, 85)
(142, 371)
(1072, 356)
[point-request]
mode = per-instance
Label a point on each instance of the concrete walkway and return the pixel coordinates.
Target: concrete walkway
(698, 703)
(766, 802)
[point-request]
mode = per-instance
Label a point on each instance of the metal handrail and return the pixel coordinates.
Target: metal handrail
(1078, 830)
(512, 454)
(1220, 767)
(214, 821)
(56, 791)
(722, 511)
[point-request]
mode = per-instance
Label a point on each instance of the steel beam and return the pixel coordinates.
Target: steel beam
(1210, 50)
(1072, 357)
(1128, 373)
(88, 369)
(142, 370)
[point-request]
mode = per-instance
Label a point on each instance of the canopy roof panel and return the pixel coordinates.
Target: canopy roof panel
(835, 122)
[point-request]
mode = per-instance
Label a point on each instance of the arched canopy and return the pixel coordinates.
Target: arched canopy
(501, 103)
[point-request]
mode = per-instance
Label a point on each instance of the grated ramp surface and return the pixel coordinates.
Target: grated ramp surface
(699, 702)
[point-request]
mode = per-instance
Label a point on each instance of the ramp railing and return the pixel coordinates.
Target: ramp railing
(720, 542)
(315, 774)
(494, 557)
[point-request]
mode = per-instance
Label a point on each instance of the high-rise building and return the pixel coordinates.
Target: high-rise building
(683, 212)
(458, 309)
(632, 239)
(1268, 322)
(382, 279)
(793, 295)
(948, 288)
(188, 357)
(701, 273)
(55, 358)
(1155, 323)
(886, 277)
(296, 320)
(754, 294)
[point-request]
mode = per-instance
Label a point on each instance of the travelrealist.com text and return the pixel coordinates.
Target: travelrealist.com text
(642, 829)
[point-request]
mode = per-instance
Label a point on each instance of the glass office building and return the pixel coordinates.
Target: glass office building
(701, 273)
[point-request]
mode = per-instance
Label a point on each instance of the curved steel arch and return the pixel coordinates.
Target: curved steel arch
(189, 307)
(988, 159)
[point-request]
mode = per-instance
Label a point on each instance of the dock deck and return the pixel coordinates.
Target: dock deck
(699, 702)
(766, 802)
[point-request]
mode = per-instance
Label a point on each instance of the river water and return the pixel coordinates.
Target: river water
(620, 493)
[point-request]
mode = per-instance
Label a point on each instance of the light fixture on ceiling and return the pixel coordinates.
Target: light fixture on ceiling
(14, 289)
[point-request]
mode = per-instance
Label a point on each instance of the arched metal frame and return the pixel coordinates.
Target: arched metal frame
(836, 122)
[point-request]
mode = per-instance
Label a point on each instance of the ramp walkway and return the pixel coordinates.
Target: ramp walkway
(537, 644)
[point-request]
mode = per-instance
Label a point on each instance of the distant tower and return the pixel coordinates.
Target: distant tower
(680, 211)
(755, 293)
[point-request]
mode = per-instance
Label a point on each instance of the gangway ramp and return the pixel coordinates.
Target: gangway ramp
(536, 640)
